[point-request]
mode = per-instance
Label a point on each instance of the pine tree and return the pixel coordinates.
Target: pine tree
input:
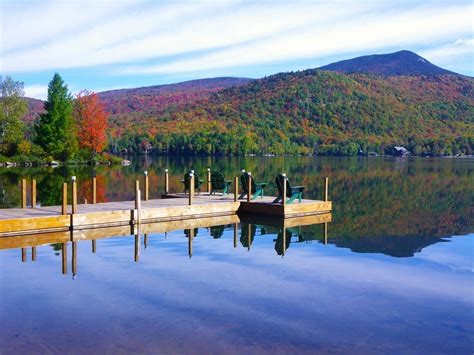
(55, 131)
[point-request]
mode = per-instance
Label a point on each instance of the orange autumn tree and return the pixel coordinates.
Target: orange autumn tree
(91, 119)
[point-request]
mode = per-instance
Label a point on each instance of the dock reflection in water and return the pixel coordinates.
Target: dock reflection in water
(233, 284)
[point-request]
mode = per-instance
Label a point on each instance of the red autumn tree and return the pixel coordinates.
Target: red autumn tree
(91, 121)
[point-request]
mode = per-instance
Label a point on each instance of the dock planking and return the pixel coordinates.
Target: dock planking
(173, 207)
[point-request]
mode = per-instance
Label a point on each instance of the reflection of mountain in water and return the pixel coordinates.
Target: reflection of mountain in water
(399, 247)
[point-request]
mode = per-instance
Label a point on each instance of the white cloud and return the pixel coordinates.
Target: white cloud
(451, 52)
(57, 35)
(36, 91)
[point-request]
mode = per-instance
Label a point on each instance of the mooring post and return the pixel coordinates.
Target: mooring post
(326, 189)
(33, 253)
(137, 202)
(64, 204)
(23, 193)
(208, 180)
(283, 198)
(137, 185)
(236, 232)
(146, 185)
(74, 195)
(23, 255)
(64, 258)
(33, 193)
(167, 182)
(94, 245)
(249, 187)
(145, 240)
(191, 187)
(94, 190)
(236, 188)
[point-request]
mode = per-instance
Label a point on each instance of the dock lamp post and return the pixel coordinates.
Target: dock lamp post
(167, 182)
(74, 194)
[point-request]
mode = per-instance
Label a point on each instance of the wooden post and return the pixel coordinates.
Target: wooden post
(283, 199)
(326, 189)
(249, 188)
(208, 180)
(74, 259)
(23, 193)
(33, 193)
(137, 205)
(94, 190)
(64, 205)
(94, 245)
(284, 241)
(137, 185)
(23, 255)
(64, 258)
(145, 240)
(236, 233)
(146, 185)
(137, 248)
(74, 195)
(33, 253)
(236, 188)
(191, 188)
(167, 182)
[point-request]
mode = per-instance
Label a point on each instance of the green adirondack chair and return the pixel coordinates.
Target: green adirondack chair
(292, 192)
(257, 189)
(197, 182)
(218, 183)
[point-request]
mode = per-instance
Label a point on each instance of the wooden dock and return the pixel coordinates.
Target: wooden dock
(175, 207)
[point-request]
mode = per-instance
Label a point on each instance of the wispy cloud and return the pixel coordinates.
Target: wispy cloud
(37, 91)
(139, 37)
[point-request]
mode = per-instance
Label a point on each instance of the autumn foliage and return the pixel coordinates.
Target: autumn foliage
(91, 119)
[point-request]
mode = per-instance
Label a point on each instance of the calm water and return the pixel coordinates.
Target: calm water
(394, 273)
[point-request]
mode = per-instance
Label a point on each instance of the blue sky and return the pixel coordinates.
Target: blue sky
(100, 45)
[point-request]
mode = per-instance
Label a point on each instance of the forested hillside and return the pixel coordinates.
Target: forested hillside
(311, 112)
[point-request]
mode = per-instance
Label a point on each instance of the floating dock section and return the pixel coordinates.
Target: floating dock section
(171, 208)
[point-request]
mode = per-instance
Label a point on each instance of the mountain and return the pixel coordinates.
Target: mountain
(313, 111)
(392, 64)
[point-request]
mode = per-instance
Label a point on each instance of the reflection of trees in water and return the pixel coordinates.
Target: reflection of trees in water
(217, 231)
(247, 234)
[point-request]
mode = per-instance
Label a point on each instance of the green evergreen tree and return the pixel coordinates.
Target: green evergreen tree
(55, 130)
(12, 108)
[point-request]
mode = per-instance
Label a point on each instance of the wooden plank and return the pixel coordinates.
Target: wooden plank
(33, 240)
(110, 218)
(311, 207)
(34, 224)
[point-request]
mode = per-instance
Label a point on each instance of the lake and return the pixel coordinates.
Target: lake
(392, 274)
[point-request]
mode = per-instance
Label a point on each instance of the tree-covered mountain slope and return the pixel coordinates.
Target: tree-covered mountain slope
(312, 112)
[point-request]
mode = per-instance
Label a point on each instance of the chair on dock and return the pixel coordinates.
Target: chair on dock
(185, 181)
(257, 189)
(218, 183)
(292, 192)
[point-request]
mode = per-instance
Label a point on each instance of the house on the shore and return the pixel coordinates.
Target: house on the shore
(400, 152)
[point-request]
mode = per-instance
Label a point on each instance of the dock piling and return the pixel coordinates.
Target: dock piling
(326, 189)
(137, 248)
(23, 193)
(208, 180)
(191, 188)
(74, 195)
(236, 188)
(236, 232)
(249, 187)
(167, 182)
(146, 185)
(23, 255)
(64, 202)
(33, 193)
(94, 245)
(94, 190)
(74, 259)
(190, 242)
(283, 199)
